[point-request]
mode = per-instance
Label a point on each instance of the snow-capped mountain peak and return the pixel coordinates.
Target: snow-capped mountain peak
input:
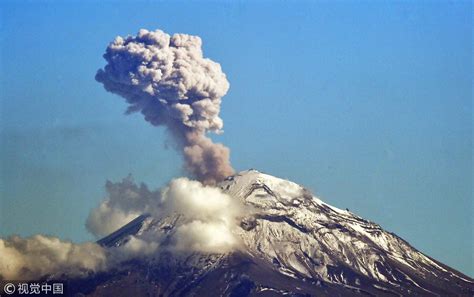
(294, 243)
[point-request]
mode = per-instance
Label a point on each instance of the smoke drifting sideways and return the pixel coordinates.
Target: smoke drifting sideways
(31, 258)
(43, 256)
(210, 217)
(168, 80)
(209, 214)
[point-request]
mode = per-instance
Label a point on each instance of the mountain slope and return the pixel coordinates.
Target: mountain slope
(292, 244)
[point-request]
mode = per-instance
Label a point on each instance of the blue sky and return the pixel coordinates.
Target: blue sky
(367, 104)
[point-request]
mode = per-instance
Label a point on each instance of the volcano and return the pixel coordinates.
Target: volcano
(292, 244)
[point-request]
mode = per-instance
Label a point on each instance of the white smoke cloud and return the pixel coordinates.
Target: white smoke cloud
(209, 214)
(168, 80)
(39, 256)
(197, 201)
(31, 258)
(136, 247)
(105, 219)
(124, 202)
(205, 236)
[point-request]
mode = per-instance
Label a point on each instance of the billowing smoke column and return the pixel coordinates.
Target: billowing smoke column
(168, 80)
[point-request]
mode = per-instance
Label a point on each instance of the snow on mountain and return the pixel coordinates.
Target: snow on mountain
(292, 243)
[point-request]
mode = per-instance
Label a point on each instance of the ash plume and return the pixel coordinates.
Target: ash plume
(168, 80)
(210, 214)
